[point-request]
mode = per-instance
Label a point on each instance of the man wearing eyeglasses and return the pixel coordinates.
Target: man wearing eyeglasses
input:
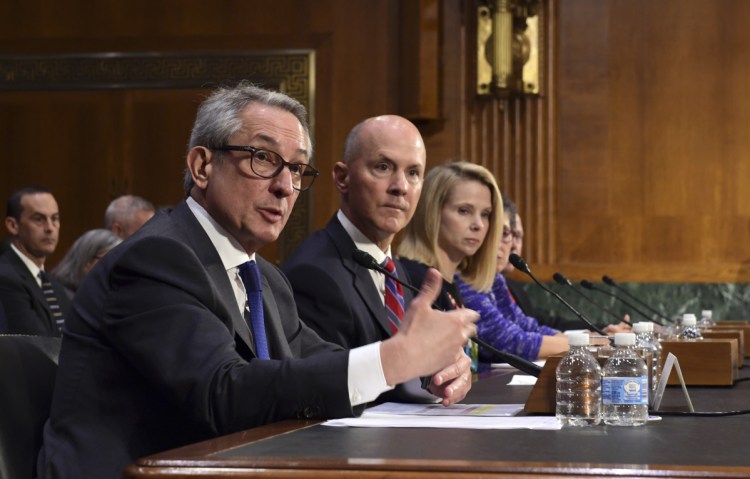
(168, 338)
(379, 181)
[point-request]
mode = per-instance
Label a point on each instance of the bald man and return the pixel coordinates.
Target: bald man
(379, 181)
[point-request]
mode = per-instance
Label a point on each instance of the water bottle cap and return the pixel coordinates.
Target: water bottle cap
(688, 319)
(641, 327)
(578, 339)
(624, 339)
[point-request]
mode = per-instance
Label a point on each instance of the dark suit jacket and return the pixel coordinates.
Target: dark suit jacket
(335, 295)
(25, 306)
(156, 355)
(337, 298)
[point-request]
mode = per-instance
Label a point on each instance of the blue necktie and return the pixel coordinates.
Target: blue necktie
(52, 302)
(250, 275)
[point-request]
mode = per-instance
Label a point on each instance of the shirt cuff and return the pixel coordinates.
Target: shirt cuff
(365, 375)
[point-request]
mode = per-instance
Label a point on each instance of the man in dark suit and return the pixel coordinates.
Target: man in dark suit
(33, 224)
(158, 353)
(379, 181)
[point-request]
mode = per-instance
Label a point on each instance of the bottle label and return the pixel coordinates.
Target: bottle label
(625, 390)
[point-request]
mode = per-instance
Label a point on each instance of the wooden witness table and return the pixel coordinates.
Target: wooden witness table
(674, 447)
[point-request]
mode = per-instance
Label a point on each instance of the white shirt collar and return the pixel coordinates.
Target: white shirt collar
(361, 241)
(33, 268)
(230, 251)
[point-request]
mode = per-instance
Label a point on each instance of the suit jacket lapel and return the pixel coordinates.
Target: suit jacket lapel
(31, 284)
(210, 259)
(361, 277)
(279, 348)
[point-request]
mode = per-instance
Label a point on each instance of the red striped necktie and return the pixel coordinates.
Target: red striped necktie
(394, 297)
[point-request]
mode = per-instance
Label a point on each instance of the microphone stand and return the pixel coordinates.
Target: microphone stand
(563, 280)
(612, 283)
(521, 265)
(589, 285)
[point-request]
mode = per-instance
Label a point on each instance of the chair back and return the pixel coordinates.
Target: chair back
(28, 365)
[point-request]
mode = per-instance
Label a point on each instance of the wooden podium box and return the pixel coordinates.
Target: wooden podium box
(708, 362)
(742, 326)
(543, 395)
(729, 333)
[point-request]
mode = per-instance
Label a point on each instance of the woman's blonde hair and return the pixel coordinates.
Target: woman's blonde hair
(420, 239)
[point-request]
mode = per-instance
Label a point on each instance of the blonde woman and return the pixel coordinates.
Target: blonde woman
(455, 229)
(458, 229)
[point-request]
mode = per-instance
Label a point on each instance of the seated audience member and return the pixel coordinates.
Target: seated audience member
(89, 248)
(502, 323)
(455, 229)
(183, 332)
(34, 303)
(126, 214)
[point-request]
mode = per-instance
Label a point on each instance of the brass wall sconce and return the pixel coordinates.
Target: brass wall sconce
(508, 39)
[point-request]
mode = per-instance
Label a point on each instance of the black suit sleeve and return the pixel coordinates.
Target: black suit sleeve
(165, 318)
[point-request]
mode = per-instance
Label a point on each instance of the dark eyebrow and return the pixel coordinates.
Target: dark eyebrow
(275, 144)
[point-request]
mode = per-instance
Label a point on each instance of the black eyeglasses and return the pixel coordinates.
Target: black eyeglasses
(267, 164)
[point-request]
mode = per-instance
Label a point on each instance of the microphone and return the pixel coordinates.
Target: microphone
(561, 279)
(521, 265)
(589, 285)
(366, 260)
(612, 283)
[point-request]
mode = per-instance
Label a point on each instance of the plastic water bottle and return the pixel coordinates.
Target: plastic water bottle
(650, 347)
(625, 385)
(578, 381)
(688, 329)
(707, 320)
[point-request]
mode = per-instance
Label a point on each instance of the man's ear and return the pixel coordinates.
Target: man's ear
(199, 164)
(11, 225)
(341, 176)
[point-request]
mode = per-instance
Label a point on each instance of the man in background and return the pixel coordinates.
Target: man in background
(126, 214)
(33, 302)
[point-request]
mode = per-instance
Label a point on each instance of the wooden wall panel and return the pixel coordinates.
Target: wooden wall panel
(633, 161)
(653, 104)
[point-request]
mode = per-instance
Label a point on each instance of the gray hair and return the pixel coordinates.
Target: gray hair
(121, 209)
(92, 243)
(220, 116)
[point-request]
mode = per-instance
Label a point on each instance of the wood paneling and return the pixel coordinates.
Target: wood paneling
(653, 107)
(633, 161)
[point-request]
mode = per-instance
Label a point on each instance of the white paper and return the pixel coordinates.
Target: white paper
(522, 380)
(472, 410)
(539, 363)
(460, 416)
(455, 422)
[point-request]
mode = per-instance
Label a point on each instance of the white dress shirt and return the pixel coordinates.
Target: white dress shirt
(366, 380)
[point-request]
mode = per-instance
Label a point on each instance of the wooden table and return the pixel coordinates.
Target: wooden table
(672, 447)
